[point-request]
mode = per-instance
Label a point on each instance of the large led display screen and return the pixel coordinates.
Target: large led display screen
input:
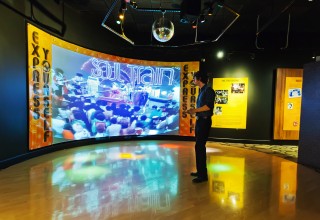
(76, 93)
(98, 98)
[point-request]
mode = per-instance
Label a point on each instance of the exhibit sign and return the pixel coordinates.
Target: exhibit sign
(292, 103)
(230, 108)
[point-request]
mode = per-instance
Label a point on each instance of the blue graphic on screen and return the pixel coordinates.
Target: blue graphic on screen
(94, 98)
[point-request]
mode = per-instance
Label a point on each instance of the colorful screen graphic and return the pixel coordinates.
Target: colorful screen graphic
(76, 93)
(99, 98)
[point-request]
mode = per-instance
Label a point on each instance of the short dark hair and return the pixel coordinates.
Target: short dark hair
(202, 76)
(100, 116)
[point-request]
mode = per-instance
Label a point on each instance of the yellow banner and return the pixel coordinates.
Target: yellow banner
(188, 98)
(230, 109)
(292, 104)
(39, 76)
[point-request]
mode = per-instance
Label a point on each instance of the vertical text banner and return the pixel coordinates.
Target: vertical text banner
(292, 104)
(188, 98)
(41, 59)
(230, 108)
(39, 77)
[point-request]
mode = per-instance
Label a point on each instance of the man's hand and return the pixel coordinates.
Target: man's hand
(191, 111)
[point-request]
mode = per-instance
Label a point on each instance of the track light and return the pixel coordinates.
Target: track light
(210, 11)
(123, 5)
(220, 3)
(133, 4)
(202, 18)
(122, 10)
(194, 24)
(121, 15)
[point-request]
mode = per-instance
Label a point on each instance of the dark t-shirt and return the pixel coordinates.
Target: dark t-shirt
(206, 97)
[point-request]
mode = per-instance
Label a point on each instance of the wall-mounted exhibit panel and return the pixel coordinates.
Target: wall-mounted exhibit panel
(230, 108)
(76, 93)
(287, 106)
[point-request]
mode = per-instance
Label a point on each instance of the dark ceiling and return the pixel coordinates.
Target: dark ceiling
(258, 18)
(239, 23)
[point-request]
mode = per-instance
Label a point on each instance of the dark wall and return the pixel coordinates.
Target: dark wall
(259, 66)
(90, 34)
(13, 68)
(13, 63)
(309, 150)
(13, 87)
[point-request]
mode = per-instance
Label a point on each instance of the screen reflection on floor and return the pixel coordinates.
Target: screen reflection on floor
(109, 182)
(130, 179)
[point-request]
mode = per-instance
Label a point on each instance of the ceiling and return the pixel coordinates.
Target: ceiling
(274, 20)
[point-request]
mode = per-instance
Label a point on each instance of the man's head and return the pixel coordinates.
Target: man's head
(200, 78)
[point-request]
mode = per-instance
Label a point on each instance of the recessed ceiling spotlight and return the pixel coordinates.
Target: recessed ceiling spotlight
(220, 54)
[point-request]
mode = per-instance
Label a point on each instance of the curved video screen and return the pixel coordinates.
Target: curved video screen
(99, 98)
(76, 93)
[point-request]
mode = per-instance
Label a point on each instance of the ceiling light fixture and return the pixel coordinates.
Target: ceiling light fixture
(121, 15)
(133, 4)
(165, 34)
(195, 24)
(122, 9)
(210, 11)
(220, 54)
(123, 5)
(202, 18)
(220, 3)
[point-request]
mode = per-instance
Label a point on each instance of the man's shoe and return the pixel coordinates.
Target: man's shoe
(199, 180)
(193, 174)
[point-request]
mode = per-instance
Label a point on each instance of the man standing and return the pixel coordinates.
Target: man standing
(203, 111)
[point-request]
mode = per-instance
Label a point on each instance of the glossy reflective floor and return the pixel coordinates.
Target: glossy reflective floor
(150, 180)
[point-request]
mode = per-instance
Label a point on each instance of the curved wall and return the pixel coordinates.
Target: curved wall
(86, 33)
(13, 65)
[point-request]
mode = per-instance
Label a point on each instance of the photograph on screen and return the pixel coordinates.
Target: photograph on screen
(93, 98)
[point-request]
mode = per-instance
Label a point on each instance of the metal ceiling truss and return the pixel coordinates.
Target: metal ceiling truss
(196, 42)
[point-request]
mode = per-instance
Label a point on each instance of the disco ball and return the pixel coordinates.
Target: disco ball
(162, 29)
